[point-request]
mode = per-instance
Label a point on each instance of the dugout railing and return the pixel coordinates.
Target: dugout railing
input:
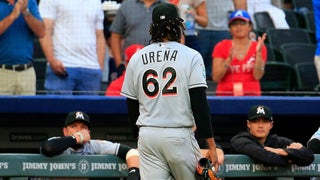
(105, 166)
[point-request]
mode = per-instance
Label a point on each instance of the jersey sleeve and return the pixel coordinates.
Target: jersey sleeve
(104, 147)
(198, 73)
(128, 88)
(314, 145)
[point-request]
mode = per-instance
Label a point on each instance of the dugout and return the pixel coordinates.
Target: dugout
(27, 120)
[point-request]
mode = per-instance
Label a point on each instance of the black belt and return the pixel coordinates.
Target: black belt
(18, 67)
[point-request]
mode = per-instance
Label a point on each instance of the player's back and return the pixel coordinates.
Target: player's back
(159, 76)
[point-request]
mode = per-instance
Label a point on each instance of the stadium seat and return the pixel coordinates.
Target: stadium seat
(309, 21)
(307, 79)
(270, 53)
(298, 4)
(293, 53)
(279, 78)
(263, 22)
(278, 37)
(292, 18)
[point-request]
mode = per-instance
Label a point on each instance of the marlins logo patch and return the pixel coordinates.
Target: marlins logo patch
(203, 70)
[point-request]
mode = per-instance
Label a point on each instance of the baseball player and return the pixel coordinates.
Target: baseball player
(77, 141)
(165, 86)
(265, 147)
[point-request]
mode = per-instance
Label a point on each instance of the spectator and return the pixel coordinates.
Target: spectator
(115, 86)
(266, 148)
(20, 22)
(238, 64)
(131, 26)
(240, 4)
(277, 15)
(217, 29)
(316, 9)
(110, 71)
(77, 141)
(166, 97)
(193, 12)
(287, 4)
(74, 46)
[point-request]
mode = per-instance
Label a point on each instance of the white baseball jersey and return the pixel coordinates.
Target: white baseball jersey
(159, 76)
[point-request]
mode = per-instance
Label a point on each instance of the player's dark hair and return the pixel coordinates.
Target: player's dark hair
(170, 29)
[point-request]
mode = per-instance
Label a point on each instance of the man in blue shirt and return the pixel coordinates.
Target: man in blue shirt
(20, 22)
(316, 9)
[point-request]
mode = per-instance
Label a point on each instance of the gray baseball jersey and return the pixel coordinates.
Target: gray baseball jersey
(95, 147)
(159, 76)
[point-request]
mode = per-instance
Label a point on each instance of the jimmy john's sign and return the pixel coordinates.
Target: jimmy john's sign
(35, 165)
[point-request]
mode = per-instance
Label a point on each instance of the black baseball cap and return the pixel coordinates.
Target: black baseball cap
(77, 116)
(164, 11)
(258, 111)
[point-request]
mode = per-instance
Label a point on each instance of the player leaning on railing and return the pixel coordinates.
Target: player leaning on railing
(77, 141)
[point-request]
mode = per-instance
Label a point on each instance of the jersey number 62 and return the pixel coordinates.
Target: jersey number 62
(151, 78)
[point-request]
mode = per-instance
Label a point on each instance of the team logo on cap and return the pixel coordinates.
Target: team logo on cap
(260, 110)
(79, 115)
(239, 13)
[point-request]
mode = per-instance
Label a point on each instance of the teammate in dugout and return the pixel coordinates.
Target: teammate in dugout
(77, 141)
(269, 149)
(165, 86)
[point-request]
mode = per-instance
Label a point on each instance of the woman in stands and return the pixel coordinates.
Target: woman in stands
(238, 64)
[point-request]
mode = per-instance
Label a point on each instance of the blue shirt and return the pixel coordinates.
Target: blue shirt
(16, 43)
(316, 8)
(133, 21)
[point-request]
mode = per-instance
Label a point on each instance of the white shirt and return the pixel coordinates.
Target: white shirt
(218, 15)
(74, 31)
(277, 15)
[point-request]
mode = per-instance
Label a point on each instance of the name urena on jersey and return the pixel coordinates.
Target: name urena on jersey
(159, 56)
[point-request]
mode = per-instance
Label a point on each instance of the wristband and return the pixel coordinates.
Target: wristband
(133, 173)
(81, 136)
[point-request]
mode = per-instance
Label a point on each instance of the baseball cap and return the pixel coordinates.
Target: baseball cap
(77, 116)
(258, 111)
(130, 50)
(239, 14)
(164, 11)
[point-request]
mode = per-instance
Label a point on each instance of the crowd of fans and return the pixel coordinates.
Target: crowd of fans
(126, 23)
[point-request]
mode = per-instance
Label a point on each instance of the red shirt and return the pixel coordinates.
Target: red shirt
(115, 86)
(240, 72)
